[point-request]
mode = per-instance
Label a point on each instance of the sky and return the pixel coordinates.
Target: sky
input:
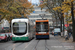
(34, 1)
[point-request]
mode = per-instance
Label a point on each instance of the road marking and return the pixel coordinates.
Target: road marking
(13, 47)
(28, 45)
(51, 36)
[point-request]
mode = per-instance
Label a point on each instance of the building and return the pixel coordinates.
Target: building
(36, 15)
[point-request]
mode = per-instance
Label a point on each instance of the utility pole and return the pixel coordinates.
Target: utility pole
(42, 15)
(0, 18)
(62, 20)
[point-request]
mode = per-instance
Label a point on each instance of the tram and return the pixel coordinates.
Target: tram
(42, 28)
(20, 28)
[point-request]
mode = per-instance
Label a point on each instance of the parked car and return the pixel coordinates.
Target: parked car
(3, 37)
(57, 31)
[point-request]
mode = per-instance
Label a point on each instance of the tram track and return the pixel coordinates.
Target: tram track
(46, 48)
(35, 48)
(21, 44)
(17, 46)
(6, 45)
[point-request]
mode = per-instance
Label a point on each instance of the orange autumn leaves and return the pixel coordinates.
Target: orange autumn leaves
(15, 9)
(26, 5)
(42, 6)
(65, 8)
(4, 11)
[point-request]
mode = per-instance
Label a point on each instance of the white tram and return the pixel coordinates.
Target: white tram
(20, 28)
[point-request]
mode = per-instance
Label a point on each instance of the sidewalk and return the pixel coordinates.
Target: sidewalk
(63, 39)
(60, 42)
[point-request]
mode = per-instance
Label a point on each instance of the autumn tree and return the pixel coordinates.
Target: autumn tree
(61, 8)
(2, 10)
(15, 9)
(66, 7)
(51, 4)
(73, 19)
(26, 7)
(69, 6)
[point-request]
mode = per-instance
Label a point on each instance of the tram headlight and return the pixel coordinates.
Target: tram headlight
(27, 35)
(13, 36)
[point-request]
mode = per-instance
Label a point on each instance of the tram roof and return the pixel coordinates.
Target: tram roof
(21, 18)
(42, 20)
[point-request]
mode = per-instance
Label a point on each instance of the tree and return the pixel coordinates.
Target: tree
(2, 10)
(2, 2)
(73, 21)
(51, 4)
(15, 9)
(62, 7)
(26, 7)
(66, 7)
(69, 7)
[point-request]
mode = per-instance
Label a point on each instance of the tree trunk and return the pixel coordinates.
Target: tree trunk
(10, 26)
(53, 24)
(56, 21)
(73, 32)
(61, 20)
(61, 25)
(73, 22)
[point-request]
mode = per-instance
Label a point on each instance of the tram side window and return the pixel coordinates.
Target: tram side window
(16, 26)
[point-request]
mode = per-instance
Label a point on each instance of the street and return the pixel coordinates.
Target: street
(22, 22)
(54, 43)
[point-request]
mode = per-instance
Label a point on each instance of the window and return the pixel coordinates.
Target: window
(19, 28)
(41, 26)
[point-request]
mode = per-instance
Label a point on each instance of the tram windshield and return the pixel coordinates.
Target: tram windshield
(19, 28)
(42, 27)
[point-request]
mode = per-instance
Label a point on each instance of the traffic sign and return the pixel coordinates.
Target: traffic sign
(33, 11)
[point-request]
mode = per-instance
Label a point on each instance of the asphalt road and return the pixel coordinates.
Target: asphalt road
(54, 43)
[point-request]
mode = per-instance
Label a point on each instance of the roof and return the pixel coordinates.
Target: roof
(42, 20)
(21, 18)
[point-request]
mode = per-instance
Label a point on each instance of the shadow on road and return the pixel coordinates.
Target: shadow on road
(3, 41)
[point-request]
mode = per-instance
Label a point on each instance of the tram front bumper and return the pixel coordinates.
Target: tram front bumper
(20, 38)
(42, 36)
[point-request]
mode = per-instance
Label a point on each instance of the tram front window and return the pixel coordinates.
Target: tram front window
(42, 27)
(19, 28)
